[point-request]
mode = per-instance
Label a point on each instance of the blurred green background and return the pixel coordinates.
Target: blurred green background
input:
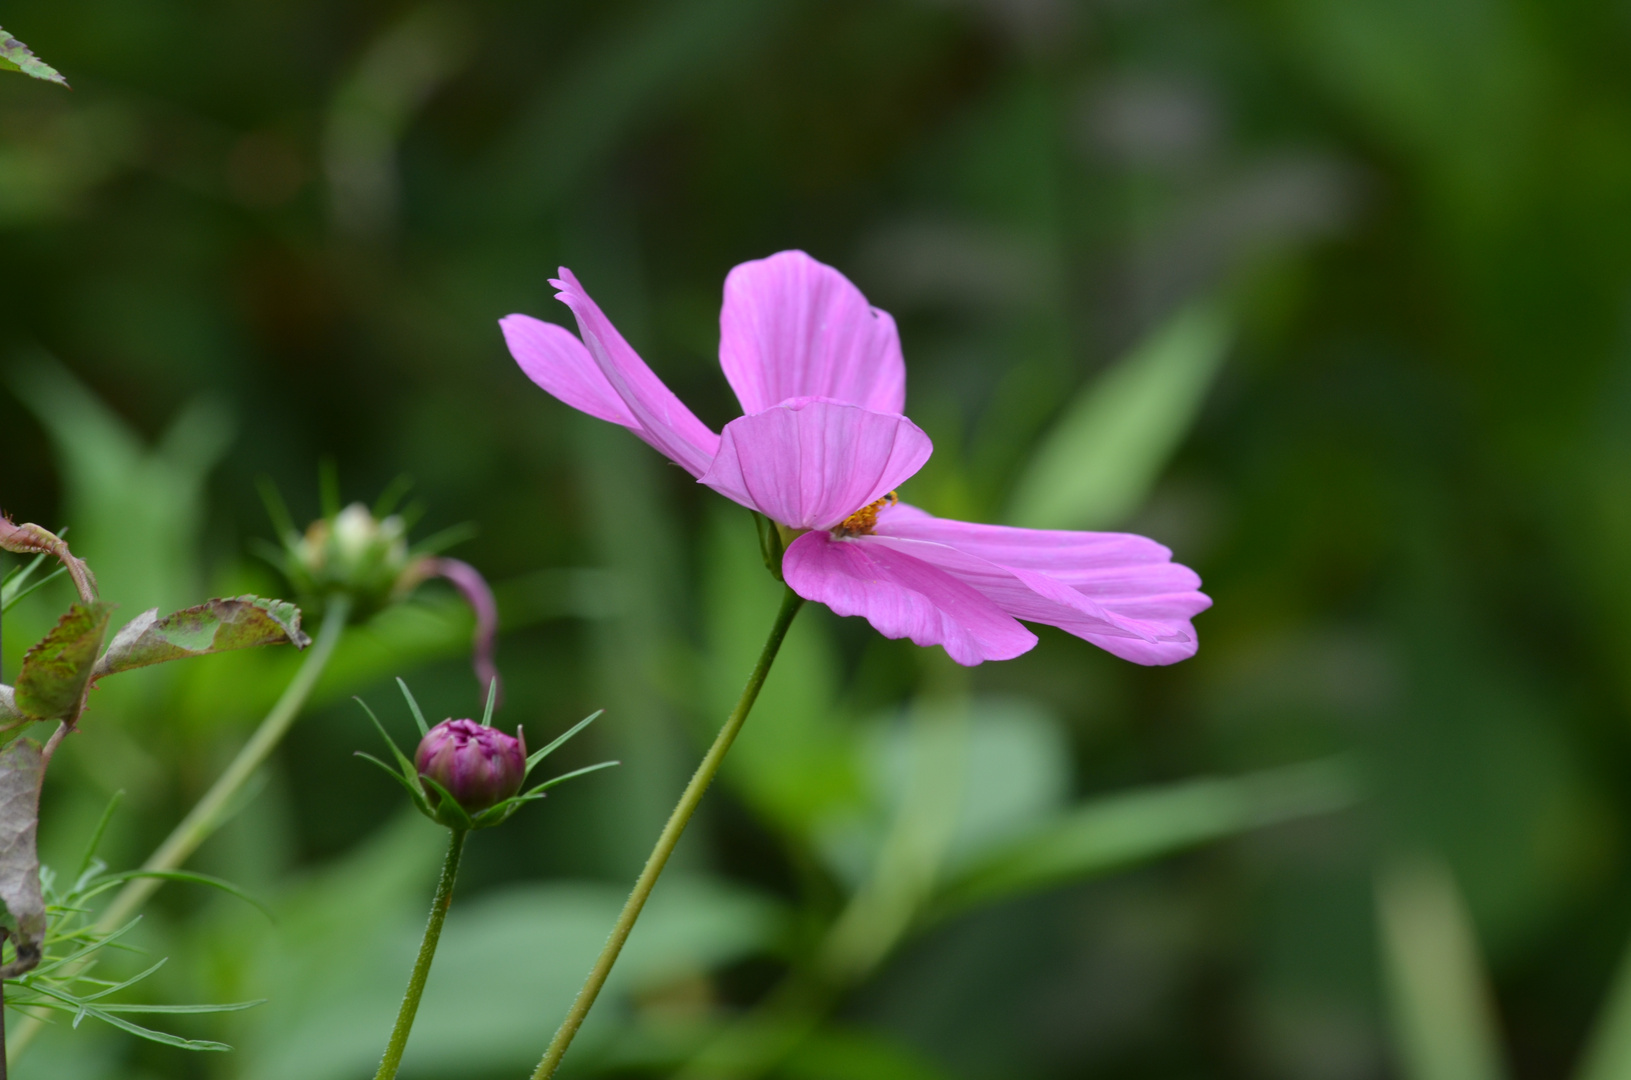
(1332, 296)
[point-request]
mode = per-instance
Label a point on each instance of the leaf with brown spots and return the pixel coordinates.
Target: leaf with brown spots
(51, 684)
(212, 627)
(22, 768)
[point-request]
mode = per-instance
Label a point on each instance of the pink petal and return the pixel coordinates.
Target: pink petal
(662, 419)
(902, 597)
(1129, 580)
(793, 327)
(1148, 653)
(810, 464)
(554, 358)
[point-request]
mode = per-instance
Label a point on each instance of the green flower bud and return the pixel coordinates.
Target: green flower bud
(364, 555)
(355, 553)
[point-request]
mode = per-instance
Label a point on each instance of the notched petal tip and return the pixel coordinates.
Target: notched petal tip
(792, 326)
(659, 417)
(558, 363)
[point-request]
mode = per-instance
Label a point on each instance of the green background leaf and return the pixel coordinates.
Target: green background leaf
(1438, 988)
(1119, 830)
(1099, 461)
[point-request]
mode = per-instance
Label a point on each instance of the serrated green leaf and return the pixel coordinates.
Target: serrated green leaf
(55, 672)
(215, 626)
(15, 56)
(22, 768)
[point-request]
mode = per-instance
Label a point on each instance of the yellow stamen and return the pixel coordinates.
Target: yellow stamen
(864, 520)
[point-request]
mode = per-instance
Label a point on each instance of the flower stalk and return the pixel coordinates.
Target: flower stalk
(427, 952)
(464, 776)
(667, 840)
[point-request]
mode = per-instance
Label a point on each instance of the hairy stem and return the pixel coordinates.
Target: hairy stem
(49, 751)
(421, 967)
(205, 817)
(670, 836)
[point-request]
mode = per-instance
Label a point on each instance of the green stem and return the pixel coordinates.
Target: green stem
(877, 917)
(421, 967)
(689, 799)
(205, 817)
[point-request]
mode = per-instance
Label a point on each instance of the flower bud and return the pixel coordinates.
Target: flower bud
(355, 553)
(478, 766)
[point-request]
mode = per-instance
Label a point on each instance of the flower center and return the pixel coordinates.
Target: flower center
(864, 520)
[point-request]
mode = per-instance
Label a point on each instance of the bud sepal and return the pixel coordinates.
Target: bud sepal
(505, 770)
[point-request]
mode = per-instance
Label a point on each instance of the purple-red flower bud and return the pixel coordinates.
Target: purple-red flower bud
(478, 766)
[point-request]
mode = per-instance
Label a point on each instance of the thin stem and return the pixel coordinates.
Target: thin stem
(205, 817)
(670, 836)
(421, 967)
(877, 917)
(50, 749)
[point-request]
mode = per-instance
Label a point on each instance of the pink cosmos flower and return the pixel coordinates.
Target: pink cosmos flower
(821, 449)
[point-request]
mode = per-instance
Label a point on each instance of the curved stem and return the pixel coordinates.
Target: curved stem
(421, 967)
(670, 836)
(50, 749)
(205, 817)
